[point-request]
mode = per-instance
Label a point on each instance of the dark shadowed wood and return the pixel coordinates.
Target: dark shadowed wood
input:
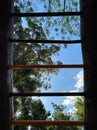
(46, 41)
(4, 75)
(45, 14)
(48, 94)
(47, 123)
(46, 66)
(89, 47)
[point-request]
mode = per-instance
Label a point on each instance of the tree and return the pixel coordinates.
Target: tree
(59, 112)
(32, 110)
(79, 105)
(58, 115)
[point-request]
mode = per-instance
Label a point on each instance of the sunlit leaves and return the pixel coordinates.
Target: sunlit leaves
(79, 105)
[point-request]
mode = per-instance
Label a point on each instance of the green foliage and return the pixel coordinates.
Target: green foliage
(32, 109)
(58, 112)
(79, 105)
(60, 115)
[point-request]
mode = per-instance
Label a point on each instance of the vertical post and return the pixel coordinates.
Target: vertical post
(4, 75)
(89, 48)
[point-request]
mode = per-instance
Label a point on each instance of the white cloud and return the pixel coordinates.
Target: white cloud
(71, 111)
(66, 102)
(75, 90)
(79, 80)
(69, 100)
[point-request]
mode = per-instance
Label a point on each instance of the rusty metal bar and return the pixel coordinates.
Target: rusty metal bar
(46, 123)
(46, 41)
(48, 94)
(45, 14)
(46, 66)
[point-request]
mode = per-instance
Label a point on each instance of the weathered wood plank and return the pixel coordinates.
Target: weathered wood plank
(47, 123)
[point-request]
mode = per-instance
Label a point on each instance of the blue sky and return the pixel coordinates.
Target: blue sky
(67, 80)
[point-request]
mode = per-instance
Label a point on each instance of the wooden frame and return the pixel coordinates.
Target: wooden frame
(46, 41)
(45, 14)
(4, 61)
(89, 50)
(46, 66)
(89, 47)
(48, 94)
(47, 123)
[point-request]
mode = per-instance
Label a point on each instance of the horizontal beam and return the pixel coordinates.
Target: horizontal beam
(48, 94)
(45, 14)
(46, 123)
(46, 41)
(45, 66)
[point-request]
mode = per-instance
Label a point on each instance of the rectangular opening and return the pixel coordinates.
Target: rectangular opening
(48, 80)
(56, 108)
(47, 28)
(72, 5)
(50, 127)
(46, 54)
(46, 6)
